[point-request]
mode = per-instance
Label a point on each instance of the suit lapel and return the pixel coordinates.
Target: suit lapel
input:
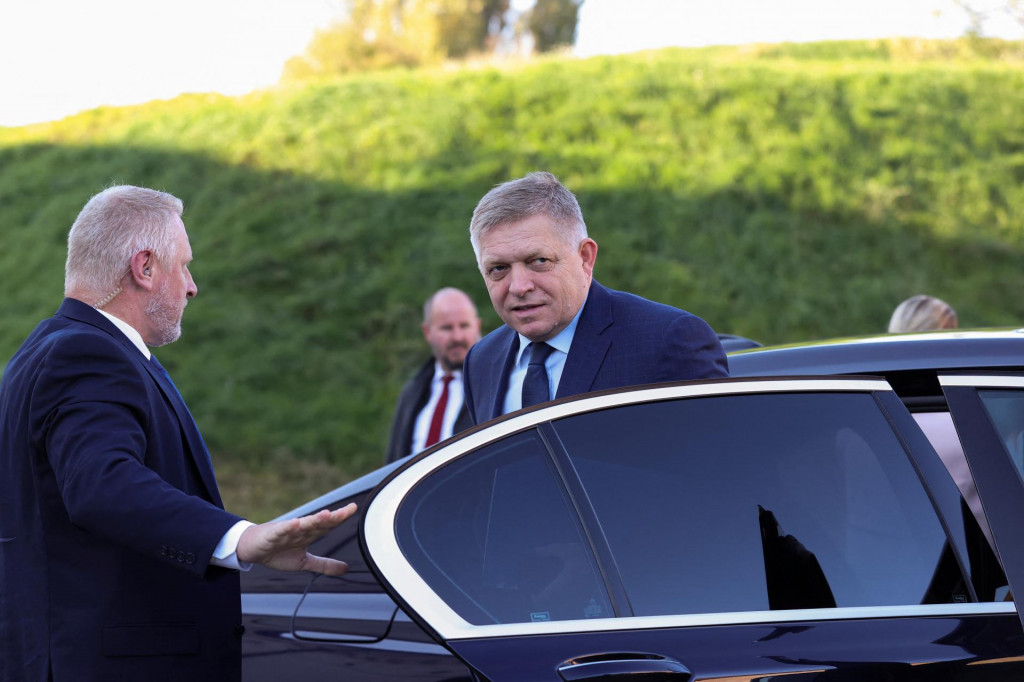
(189, 429)
(498, 369)
(590, 344)
(76, 310)
(412, 408)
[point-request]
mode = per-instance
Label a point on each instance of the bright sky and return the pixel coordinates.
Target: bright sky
(59, 57)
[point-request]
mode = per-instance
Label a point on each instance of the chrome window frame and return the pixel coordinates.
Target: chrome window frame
(981, 380)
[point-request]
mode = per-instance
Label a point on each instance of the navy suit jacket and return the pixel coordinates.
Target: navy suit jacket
(414, 397)
(620, 340)
(109, 515)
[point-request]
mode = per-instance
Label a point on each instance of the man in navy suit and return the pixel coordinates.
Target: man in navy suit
(117, 558)
(431, 406)
(564, 333)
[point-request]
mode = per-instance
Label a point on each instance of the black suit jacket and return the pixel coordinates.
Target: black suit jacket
(620, 340)
(109, 515)
(414, 397)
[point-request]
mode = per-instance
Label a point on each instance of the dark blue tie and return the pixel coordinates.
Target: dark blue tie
(535, 385)
(152, 358)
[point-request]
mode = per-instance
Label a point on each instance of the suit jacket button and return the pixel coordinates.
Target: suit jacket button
(239, 631)
(190, 558)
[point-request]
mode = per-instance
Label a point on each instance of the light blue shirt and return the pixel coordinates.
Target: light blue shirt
(554, 364)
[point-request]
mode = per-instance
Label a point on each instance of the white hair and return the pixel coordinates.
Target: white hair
(112, 227)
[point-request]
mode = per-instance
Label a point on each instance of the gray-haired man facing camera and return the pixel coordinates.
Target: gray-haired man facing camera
(564, 333)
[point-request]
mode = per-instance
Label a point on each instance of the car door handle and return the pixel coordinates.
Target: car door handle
(623, 665)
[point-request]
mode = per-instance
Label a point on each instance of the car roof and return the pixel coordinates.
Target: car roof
(887, 353)
(900, 358)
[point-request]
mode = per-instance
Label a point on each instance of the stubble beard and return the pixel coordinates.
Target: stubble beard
(165, 318)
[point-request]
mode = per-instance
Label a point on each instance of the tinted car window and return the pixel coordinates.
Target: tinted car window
(1006, 408)
(495, 536)
(741, 503)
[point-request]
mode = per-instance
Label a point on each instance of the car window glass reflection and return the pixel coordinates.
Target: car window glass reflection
(742, 503)
(1006, 408)
(494, 535)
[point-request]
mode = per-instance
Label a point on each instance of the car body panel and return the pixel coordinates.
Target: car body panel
(942, 648)
(354, 629)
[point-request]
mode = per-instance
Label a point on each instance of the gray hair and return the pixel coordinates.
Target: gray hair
(921, 313)
(112, 227)
(538, 193)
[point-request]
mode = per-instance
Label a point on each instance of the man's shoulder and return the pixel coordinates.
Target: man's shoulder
(495, 341)
(487, 355)
(423, 375)
(629, 307)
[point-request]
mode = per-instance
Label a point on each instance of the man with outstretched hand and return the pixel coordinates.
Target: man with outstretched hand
(117, 558)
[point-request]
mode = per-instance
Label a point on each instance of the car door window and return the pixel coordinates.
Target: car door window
(988, 410)
(496, 537)
(1006, 409)
(750, 503)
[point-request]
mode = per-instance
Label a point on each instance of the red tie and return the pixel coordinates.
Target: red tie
(434, 434)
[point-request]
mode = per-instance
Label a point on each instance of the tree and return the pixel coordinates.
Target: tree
(978, 13)
(383, 33)
(553, 23)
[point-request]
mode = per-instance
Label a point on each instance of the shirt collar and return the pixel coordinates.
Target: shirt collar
(562, 341)
(439, 371)
(129, 331)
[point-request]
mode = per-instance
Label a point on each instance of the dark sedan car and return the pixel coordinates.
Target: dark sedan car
(833, 511)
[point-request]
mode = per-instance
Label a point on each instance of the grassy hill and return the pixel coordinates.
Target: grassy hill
(780, 192)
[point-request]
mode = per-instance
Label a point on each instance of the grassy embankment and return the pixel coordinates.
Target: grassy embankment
(781, 192)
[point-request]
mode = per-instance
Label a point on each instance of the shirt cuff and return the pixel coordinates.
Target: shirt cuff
(226, 552)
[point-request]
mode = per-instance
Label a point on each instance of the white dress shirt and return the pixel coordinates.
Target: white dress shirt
(225, 554)
(451, 412)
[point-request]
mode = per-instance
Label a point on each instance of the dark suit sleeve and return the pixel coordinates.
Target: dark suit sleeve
(107, 432)
(692, 351)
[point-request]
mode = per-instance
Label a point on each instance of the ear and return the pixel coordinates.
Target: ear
(142, 269)
(426, 331)
(588, 253)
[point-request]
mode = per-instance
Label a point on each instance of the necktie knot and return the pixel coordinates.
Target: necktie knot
(539, 352)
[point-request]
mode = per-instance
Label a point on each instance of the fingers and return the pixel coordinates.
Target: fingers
(324, 520)
(328, 517)
(282, 544)
(319, 564)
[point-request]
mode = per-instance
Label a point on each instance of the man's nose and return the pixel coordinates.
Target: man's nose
(192, 290)
(521, 282)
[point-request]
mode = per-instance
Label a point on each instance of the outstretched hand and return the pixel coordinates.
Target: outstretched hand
(283, 545)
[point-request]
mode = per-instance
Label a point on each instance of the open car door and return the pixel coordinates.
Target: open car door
(988, 411)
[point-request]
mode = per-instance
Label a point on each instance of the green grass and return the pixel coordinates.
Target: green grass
(780, 192)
